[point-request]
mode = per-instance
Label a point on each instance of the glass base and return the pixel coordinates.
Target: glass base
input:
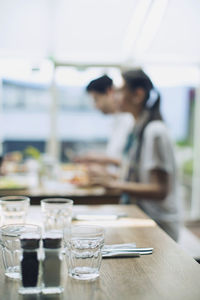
(29, 290)
(52, 290)
(84, 273)
(12, 272)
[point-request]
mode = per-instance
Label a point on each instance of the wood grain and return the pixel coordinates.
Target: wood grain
(168, 274)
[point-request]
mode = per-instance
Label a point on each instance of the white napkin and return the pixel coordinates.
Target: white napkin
(119, 246)
(120, 250)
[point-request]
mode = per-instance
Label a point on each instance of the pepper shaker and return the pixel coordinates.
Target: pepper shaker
(52, 264)
(30, 266)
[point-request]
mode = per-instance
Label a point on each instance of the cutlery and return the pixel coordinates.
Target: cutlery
(121, 254)
(136, 249)
(141, 251)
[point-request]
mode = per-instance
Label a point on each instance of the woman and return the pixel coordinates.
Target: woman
(150, 178)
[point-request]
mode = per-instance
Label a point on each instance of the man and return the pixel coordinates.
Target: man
(104, 95)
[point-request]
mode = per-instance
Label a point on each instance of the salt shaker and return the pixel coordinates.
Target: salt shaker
(30, 266)
(52, 264)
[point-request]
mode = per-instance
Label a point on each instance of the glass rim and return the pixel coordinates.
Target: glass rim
(82, 230)
(56, 201)
(14, 199)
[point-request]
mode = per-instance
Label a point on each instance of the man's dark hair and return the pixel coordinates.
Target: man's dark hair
(100, 85)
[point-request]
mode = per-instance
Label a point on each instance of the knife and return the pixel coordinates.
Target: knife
(121, 254)
(136, 249)
(141, 251)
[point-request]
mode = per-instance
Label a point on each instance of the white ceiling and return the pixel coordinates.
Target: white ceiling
(178, 36)
(101, 31)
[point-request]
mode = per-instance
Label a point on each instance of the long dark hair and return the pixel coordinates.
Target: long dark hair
(137, 78)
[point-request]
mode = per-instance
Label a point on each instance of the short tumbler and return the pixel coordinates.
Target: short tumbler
(14, 209)
(57, 213)
(11, 249)
(83, 251)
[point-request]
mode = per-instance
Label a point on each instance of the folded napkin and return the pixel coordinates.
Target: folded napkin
(96, 217)
(119, 246)
(124, 250)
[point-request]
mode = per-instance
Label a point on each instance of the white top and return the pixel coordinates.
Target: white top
(157, 153)
(122, 125)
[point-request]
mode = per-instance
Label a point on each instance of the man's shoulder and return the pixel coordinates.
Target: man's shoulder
(125, 118)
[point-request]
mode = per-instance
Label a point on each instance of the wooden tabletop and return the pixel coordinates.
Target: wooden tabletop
(88, 196)
(169, 273)
(62, 185)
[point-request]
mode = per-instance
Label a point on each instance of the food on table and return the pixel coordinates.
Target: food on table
(11, 183)
(75, 174)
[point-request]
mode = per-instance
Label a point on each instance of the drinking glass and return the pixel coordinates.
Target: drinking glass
(11, 249)
(14, 209)
(57, 213)
(83, 251)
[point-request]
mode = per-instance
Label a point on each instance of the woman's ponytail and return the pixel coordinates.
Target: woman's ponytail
(155, 108)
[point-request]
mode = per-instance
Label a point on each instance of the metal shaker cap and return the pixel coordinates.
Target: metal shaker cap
(52, 243)
(30, 243)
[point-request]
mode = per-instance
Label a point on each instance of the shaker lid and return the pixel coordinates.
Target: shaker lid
(52, 243)
(30, 243)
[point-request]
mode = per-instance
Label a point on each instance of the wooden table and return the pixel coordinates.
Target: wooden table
(29, 183)
(80, 197)
(167, 274)
(88, 196)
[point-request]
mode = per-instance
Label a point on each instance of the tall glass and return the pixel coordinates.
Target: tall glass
(14, 209)
(11, 249)
(83, 251)
(57, 213)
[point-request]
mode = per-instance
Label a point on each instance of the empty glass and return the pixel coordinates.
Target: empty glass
(14, 209)
(11, 249)
(57, 213)
(83, 251)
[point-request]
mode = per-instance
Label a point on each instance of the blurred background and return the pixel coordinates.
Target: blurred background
(51, 49)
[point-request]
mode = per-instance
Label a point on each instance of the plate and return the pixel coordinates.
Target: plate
(9, 183)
